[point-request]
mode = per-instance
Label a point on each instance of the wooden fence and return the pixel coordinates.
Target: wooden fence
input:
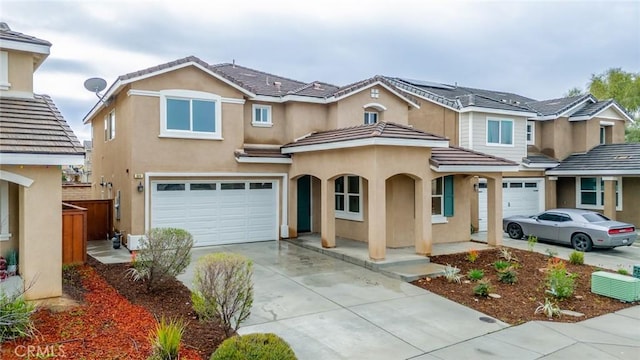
(99, 217)
(74, 234)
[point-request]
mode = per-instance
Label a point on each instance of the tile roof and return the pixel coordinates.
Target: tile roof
(591, 109)
(535, 158)
(379, 130)
(7, 34)
(347, 89)
(35, 126)
(454, 155)
(258, 82)
(610, 158)
(460, 97)
(558, 106)
(260, 152)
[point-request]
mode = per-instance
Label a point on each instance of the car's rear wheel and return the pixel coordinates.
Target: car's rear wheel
(581, 242)
(515, 231)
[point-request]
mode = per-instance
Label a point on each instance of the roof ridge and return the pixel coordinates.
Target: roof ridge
(433, 96)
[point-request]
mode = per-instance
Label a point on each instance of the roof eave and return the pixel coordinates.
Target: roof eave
(498, 111)
(42, 159)
(377, 82)
(473, 168)
(593, 172)
(376, 141)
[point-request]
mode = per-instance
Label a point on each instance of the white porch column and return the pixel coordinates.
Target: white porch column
(377, 218)
(293, 208)
(494, 210)
(328, 217)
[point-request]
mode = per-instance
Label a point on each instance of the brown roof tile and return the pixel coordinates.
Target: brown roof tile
(460, 156)
(35, 126)
(260, 152)
(7, 34)
(380, 130)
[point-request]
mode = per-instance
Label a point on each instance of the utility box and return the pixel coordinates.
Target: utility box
(617, 286)
(636, 271)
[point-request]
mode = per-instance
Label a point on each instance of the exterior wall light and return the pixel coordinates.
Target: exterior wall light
(140, 187)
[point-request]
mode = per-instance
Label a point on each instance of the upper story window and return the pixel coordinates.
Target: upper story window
(370, 117)
(590, 193)
(190, 114)
(375, 93)
(261, 115)
(531, 132)
(110, 126)
(4, 71)
(348, 197)
(499, 132)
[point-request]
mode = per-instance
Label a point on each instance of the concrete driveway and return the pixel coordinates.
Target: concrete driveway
(330, 309)
(326, 308)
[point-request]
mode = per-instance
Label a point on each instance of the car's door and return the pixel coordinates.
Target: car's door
(565, 228)
(545, 226)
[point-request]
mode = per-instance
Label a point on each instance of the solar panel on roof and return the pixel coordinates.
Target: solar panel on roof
(427, 84)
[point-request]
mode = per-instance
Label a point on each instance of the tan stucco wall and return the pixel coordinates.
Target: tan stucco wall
(350, 110)
(20, 71)
(275, 134)
(436, 119)
(556, 140)
(566, 190)
(39, 234)
(630, 201)
(400, 212)
(458, 227)
(304, 118)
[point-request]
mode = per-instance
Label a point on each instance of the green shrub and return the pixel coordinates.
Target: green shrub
(560, 284)
(501, 265)
(576, 258)
(622, 271)
(451, 274)
(15, 317)
(531, 242)
(508, 276)
(165, 341)
(164, 253)
(223, 290)
(475, 274)
(483, 288)
(254, 347)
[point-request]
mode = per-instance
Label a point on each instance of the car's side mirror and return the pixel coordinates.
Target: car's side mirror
(536, 218)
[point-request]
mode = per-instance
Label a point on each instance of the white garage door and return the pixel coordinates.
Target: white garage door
(217, 212)
(519, 197)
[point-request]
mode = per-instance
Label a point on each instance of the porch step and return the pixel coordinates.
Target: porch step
(412, 272)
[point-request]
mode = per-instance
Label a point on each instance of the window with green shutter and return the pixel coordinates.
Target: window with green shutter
(448, 196)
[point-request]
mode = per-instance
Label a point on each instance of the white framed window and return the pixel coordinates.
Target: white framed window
(261, 115)
(590, 193)
(4, 71)
(370, 117)
(190, 114)
(4, 211)
(437, 197)
(375, 93)
(500, 132)
(110, 126)
(603, 135)
(531, 132)
(348, 197)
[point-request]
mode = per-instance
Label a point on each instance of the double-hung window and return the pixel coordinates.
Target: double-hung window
(499, 132)
(190, 114)
(590, 193)
(531, 128)
(110, 126)
(261, 115)
(348, 197)
(441, 198)
(370, 117)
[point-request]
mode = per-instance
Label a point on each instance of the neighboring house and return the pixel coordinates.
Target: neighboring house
(35, 141)
(234, 154)
(538, 135)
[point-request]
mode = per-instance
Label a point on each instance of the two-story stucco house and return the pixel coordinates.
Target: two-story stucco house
(35, 140)
(233, 154)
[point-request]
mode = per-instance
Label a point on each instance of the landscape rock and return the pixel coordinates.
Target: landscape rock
(571, 313)
(495, 296)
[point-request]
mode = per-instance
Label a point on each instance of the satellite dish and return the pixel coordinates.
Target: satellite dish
(95, 84)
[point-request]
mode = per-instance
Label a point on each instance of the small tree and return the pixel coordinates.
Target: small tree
(223, 290)
(164, 253)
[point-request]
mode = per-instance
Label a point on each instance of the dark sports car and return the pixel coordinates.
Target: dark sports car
(582, 229)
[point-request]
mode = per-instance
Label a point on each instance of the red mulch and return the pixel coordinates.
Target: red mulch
(114, 319)
(519, 301)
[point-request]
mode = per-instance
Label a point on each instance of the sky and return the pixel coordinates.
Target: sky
(539, 49)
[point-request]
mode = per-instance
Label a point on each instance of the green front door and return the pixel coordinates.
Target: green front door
(304, 204)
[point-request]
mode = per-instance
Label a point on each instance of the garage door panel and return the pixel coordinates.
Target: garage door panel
(519, 197)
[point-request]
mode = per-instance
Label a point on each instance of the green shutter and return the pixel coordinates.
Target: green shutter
(448, 196)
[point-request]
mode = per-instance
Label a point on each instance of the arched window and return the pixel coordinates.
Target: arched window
(372, 113)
